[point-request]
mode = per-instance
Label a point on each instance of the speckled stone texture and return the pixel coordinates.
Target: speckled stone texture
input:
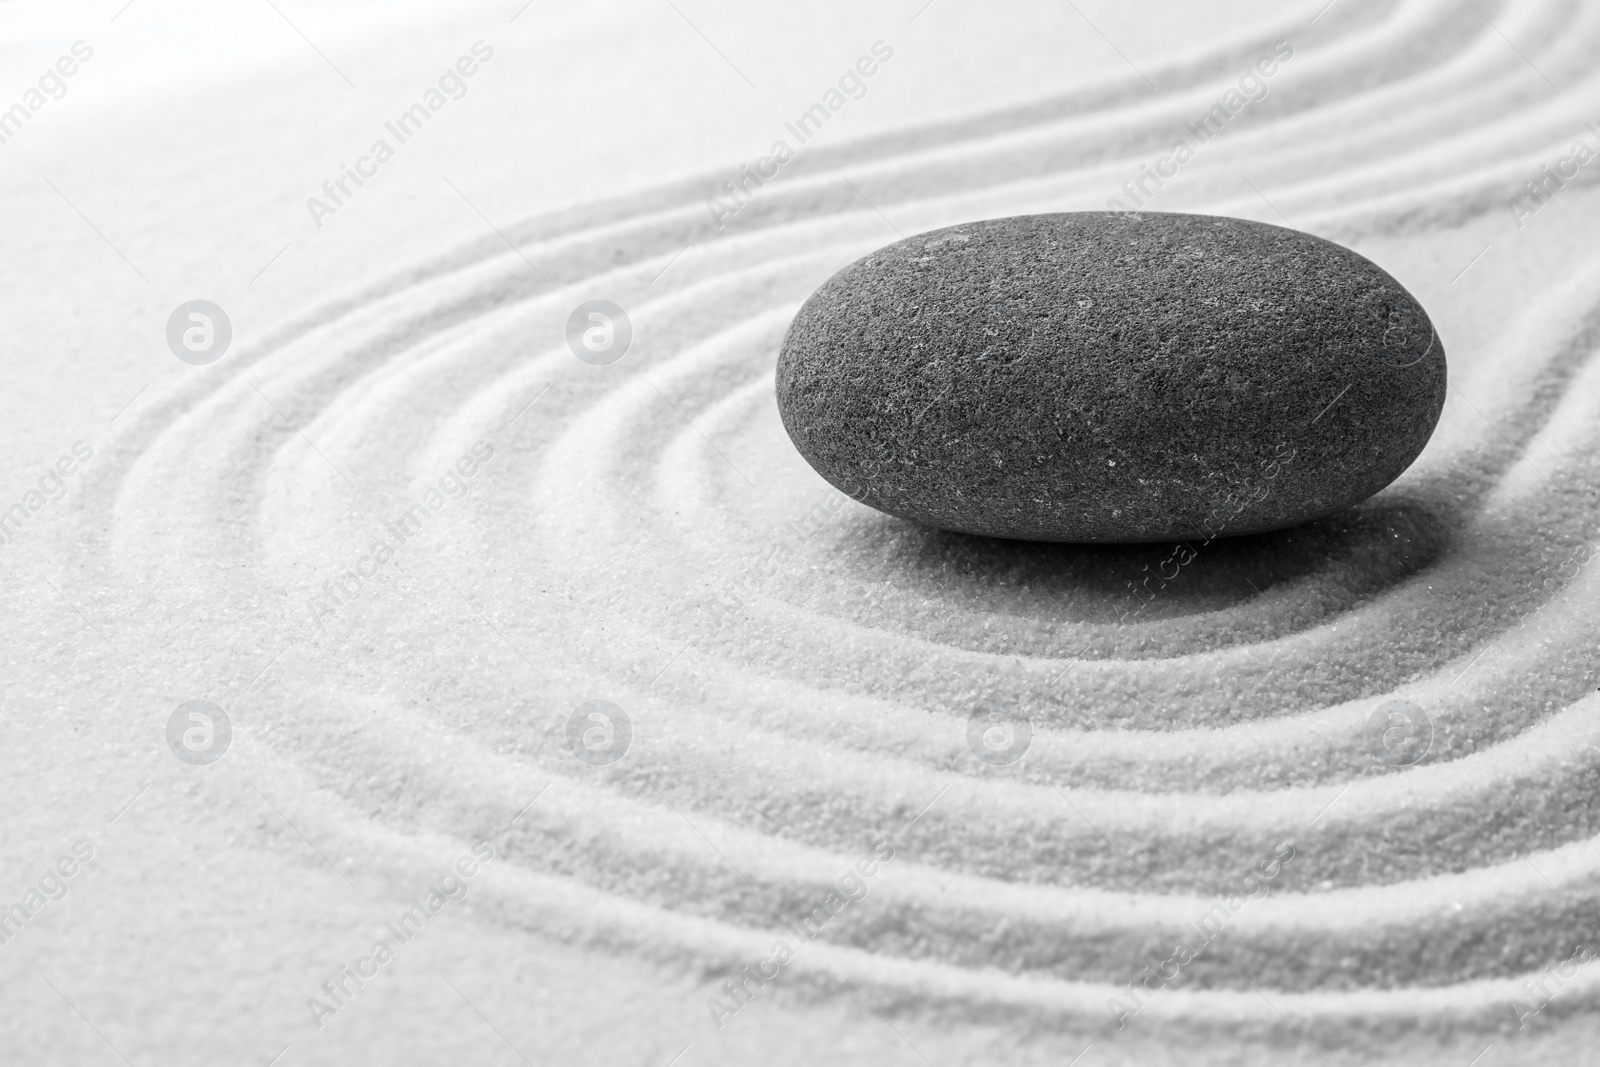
(1101, 376)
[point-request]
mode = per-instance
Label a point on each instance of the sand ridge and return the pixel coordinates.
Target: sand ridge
(791, 709)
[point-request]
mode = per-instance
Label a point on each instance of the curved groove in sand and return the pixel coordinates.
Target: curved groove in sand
(619, 543)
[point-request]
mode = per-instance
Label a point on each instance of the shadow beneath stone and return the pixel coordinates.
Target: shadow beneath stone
(1336, 561)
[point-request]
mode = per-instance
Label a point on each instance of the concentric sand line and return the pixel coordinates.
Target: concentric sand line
(799, 669)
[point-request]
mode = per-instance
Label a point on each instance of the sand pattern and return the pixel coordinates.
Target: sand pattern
(799, 670)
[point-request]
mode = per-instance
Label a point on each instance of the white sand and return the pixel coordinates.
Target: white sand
(791, 711)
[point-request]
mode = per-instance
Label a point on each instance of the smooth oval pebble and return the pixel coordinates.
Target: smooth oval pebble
(1108, 376)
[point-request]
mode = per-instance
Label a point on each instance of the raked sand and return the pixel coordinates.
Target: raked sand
(797, 669)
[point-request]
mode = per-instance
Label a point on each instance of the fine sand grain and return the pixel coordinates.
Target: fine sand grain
(799, 669)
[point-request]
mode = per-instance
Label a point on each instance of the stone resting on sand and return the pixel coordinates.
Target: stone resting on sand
(1100, 376)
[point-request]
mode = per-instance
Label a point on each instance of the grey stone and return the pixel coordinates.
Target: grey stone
(1105, 376)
